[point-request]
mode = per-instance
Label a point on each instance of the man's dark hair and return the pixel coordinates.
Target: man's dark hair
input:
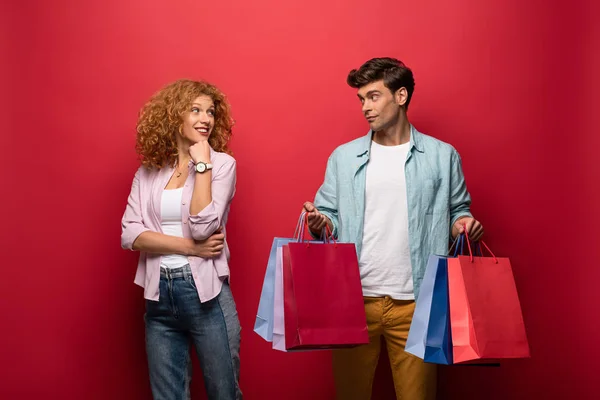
(394, 73)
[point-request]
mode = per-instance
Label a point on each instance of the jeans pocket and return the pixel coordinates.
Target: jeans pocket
(156, 308)
(190, 280)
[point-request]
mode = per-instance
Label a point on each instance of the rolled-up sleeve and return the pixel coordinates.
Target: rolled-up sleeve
(132, 224)
(207, 221)
(460, 199)
(326, 198)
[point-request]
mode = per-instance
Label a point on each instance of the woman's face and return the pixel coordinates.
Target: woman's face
(199, 120)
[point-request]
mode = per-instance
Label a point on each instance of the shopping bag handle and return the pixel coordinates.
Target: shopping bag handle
(459, 241)
(302, 226)
(298, 226)
(482, 242)
(326, 234)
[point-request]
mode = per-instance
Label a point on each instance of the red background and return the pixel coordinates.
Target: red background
(511, 84)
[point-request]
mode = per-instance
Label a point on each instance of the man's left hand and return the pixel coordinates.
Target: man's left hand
(474, 228)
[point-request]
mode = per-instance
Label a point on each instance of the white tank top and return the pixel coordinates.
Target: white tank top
(170, 214)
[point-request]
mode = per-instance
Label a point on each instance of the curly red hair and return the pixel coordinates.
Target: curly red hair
(162, 117)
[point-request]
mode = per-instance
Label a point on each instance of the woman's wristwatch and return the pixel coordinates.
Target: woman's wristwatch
(203, 167)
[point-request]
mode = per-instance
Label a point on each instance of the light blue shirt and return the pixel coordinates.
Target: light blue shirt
(435, 188)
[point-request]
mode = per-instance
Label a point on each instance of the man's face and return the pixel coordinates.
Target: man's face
(380, 106)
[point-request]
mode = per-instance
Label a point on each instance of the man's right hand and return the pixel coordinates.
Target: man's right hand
(211, 247)
(316, 220)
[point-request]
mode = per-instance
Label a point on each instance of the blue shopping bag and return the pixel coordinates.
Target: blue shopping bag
(417, 335)
(438, 341)
(426, 326)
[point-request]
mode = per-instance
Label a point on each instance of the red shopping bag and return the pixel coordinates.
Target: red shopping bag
(485, 312)
(323, 302)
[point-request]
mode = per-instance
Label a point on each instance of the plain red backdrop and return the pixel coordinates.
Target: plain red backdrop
(511, 84)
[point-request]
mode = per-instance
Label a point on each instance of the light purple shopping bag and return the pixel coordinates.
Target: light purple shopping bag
(278, 317)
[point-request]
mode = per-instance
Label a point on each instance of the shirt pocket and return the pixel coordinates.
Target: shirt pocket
(429, 195)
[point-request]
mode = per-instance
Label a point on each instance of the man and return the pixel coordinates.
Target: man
(400, 196)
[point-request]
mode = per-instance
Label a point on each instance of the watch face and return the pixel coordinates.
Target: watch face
(201, 167)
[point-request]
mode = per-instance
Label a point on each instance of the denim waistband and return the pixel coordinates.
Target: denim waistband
(174, 273)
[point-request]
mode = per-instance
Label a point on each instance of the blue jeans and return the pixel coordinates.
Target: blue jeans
(177, 320)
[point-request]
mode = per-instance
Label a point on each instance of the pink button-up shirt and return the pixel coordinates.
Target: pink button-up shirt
(143, 214)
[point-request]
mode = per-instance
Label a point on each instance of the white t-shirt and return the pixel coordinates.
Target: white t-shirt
(385, 266)
(170, 221)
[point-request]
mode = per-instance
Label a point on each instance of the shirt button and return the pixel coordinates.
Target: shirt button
(183, 204)
(185, 222)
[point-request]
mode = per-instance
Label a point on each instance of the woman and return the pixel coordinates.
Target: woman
(175, 216)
